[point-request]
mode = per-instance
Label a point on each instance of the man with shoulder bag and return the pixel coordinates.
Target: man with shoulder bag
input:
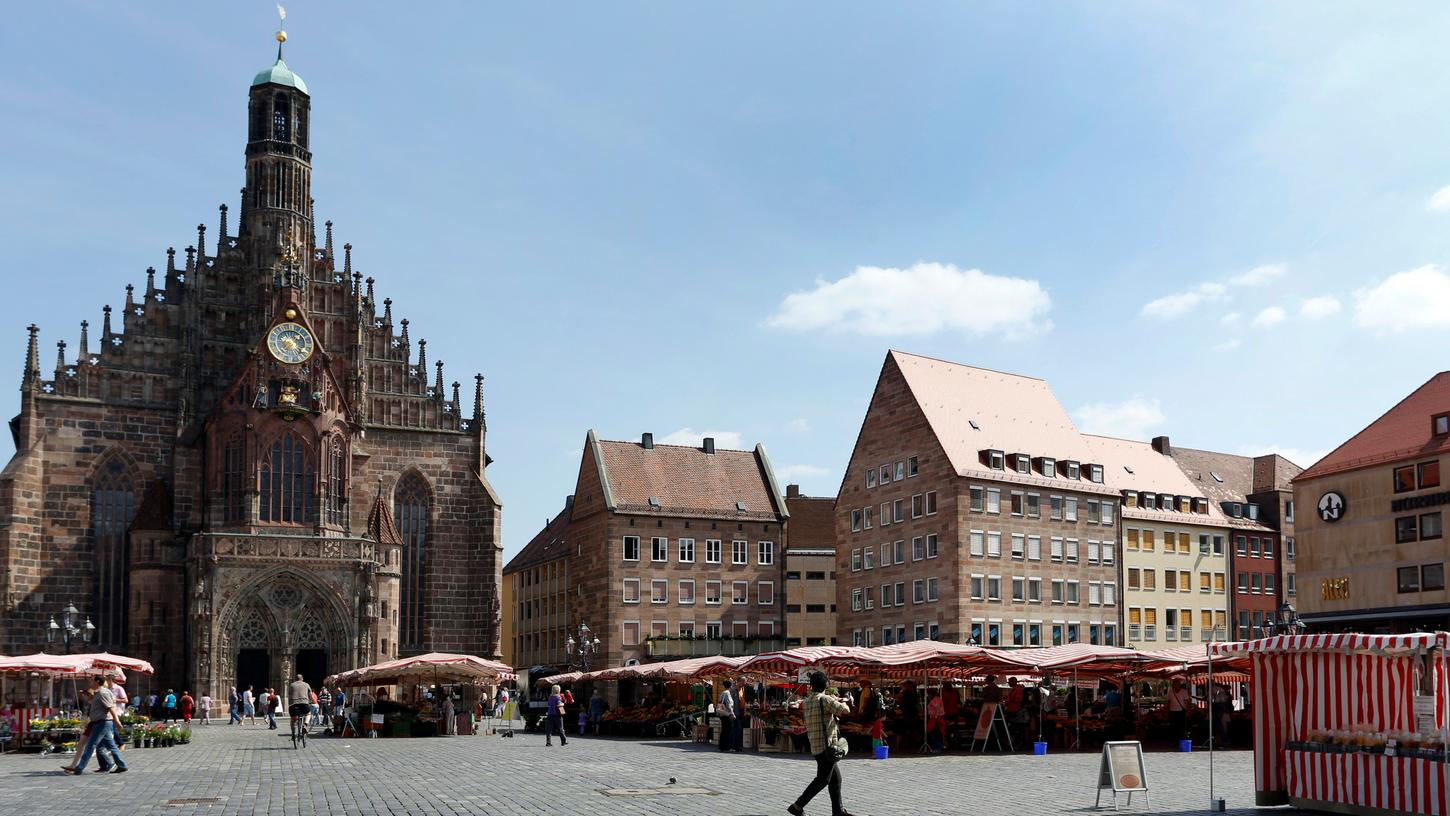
(827, 745)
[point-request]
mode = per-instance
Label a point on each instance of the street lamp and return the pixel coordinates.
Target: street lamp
(68, 631)
(1288, 622)
(582, 650)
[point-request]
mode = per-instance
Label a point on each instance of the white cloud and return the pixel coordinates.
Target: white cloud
(1405, 301)
(1270, 316)
(687, 436)
(1440, 201)
(1228, 345)
(1258, 276)
(921, 299)
(1303, 457)
(1179, 303)
(798, 425)
(1230, 319)
(1131, 419)
(800, 473)
(1316, 308)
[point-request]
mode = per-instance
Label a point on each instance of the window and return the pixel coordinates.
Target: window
(996, 460)
(1070, 511)
(712, 551)
(1109, 513)
(931, 546)
(687, 593)
(1095, 593)
(740, 592)
(765, 593)
(855, 521)
(1034, 548)
(1432, 577)
(1289, 511)
(687, 629)
(886, 474)
(918, 591)
(712, 593)
(1149, 544)
(631, 633)
(920, 632)
(918, 548)
(898, 551)
(1255, 549)
(1072, 470)
(631, 590)
(1404, 478)
(870, 477)
(234, 458)
(1268, 583)
(113, 507)
(868, 557)
(1018, 501)
(1019, 546)
(410, 513)
(1034, 634)
(713, 630)
(1218, 545)
(1022, 463)
(1058, 590)
(287, 482)
(1034, 505)
(1019, 589)
(1034, 590)
(888, 636)
(765, 553)
(281, 110)
(1110, 593)
(1054, 504)
(1150, 501)
(687, 551)
(1268, 546)
(911, 467)
(1290, 584)
(1056, 549)
(1440, 424)
(1430, 526)
(885, 517)
(659, 591)
(886, 554)
(739, 552)
(1218, 583)
(631, 548)
(978, 546)
(885, 595)
(918, 506)
(1072, 551)
(1049, 467)
(1185, 544)
(1406, 528)
(1095, 473)
(931, 502)
(1131, 539)
(1241, 545)
(1072, 592)
(1094, 513)
(1150, 579)
(659, 550)
(1094, 551)
(994, 544)
(1135, 580)
(1185, 581)
(898, 511)
(994, 587)
(978, 498)
(337, 483)
(900, 471)
(901, 593)
(979, 587)
(1409, 579)
(1109, 552)
(994, 500)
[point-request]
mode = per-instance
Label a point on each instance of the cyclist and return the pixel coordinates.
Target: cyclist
(299, 703)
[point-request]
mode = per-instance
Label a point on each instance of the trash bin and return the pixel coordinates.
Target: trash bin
(1185, 746)
(1039, 748)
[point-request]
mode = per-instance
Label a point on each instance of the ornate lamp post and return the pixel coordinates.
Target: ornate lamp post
(1288, 622)
(68, 630)
(582, 650)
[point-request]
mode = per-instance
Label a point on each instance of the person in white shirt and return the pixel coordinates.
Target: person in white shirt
(205, 709)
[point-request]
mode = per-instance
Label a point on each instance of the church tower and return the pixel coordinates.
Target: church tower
(276, 223)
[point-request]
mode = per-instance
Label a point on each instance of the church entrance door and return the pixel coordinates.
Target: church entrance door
(254, 668)
(312, 665)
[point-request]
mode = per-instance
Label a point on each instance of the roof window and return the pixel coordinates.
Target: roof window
(1128, 469)
(654, 501)
(1440, 424)
(740, 505)
(1095, 473)
(1048, 466)
(1216, 477)
(1150, 501)
(1023, 463)
(1071, 469)
(973, 423)
(996, 460)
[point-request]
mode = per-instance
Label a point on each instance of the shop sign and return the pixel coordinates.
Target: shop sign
(1418, 502)
(1332, 506)
(1121, 770)
(1335, 589)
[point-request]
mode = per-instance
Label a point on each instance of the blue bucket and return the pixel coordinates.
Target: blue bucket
(1185, 746)
(882, 751)
(1039, 748)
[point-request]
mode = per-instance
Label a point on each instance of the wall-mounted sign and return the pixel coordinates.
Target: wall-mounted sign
(1335, 589)
(1332, 506)
(1417, 502)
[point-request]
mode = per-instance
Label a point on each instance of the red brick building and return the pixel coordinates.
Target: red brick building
(973, 510)
(810, 570)
(670, 551)
(251, 469)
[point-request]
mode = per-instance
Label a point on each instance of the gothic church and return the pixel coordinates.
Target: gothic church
(253, 470)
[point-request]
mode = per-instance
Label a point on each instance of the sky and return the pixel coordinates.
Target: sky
(1228, 223)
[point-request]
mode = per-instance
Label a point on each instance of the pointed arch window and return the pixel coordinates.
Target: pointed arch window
(281, 113)
(113, 506)
(287, 481)
(234, 478)
(410, 512)
(336, 481)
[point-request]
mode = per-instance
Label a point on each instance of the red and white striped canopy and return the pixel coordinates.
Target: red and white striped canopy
(65, 665)
(1080, 656)
(693, 668)
(442, 666)
(1346, 642)
(792, 661)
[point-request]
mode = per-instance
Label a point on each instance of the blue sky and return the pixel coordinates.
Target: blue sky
(1216, 221)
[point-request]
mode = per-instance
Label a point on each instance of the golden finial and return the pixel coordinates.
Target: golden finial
(282, 18)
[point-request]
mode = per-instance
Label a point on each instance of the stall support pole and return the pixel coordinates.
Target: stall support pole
(925, 733)
(1077, 711)
(1212, 800)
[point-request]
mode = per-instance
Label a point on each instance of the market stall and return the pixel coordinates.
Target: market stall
(417, 714)
(57, 727)
(1349, 723)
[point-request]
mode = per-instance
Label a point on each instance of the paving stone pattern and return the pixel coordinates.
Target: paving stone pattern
(249, 770)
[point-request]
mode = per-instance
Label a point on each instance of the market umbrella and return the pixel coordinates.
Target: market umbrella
(437, 665)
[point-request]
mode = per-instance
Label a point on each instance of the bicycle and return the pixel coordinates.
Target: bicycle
(299, 724)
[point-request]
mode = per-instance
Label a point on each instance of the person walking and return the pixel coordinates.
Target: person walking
(104, 721)
(725, 710)
(823, 731)
(206, 709)
(249, 706)
(186, 707)
(234, 707)
(1179, 702)
(324, 707)
(168, 705)
(556, 717)
(596, 710)
(264, 704)
(274, 706)
(152, 710)
(742, 716)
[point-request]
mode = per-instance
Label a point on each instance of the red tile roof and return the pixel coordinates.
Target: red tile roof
(1403, 432)
(688, 481)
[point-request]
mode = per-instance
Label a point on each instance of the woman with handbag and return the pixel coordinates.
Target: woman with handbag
(827, 746)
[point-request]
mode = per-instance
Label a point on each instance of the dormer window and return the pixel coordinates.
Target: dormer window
(1440, 424)
(1185, 504)
(996, 460)
(1150, 501)
(1130, 498)
(1236, 510)
(1048, 467)
(1200, 505)
(1095, 473)
(1072, 470)
(1253, 510)
(1023, 463)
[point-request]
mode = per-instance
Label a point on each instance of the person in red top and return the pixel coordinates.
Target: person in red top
(187, 706)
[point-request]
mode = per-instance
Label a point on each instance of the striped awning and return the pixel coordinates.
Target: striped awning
(1344, 642)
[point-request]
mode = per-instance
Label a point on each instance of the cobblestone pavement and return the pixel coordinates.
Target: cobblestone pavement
(249, 770)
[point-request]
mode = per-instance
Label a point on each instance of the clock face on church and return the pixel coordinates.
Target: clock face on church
(290, 343)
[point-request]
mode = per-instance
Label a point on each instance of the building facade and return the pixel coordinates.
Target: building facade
(537, 584)
(1371, 548)
(972, 510)
(252, 470)
(810, 570)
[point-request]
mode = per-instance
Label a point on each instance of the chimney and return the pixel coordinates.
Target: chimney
(647, 441)
(1160, 444)
(793, 491)
(709, 444)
